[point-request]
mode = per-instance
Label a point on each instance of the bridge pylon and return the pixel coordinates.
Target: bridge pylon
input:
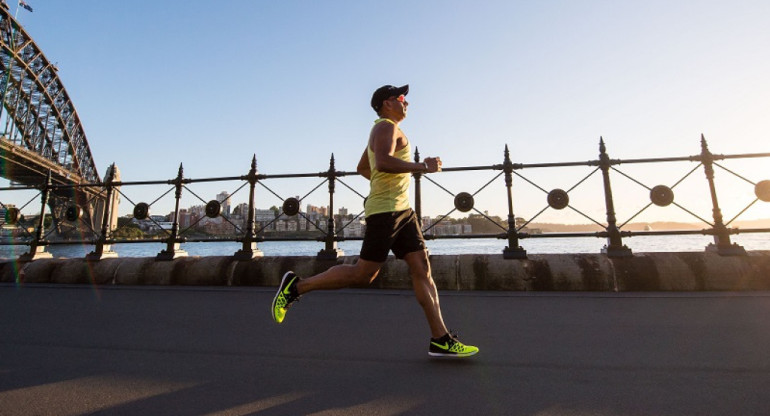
(106, 209)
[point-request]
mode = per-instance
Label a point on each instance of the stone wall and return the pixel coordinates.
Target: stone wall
(691, 271)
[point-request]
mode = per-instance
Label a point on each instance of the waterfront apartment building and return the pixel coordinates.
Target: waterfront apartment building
(224, 199)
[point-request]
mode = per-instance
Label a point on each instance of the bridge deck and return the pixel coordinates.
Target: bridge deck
(171, 350)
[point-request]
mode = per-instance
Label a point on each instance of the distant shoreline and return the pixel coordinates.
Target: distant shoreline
(642, 226)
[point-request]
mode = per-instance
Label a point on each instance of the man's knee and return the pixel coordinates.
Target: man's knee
(419, 266)
(365, 277)
(366, 272)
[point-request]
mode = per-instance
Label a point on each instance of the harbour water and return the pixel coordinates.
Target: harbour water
(639, 244)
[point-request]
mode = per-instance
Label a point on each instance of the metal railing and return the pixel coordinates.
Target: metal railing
(251, 233)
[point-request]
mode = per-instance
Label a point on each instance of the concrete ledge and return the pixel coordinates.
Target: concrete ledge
(539, 272)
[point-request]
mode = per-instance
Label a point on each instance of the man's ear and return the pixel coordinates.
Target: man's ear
(385, 106)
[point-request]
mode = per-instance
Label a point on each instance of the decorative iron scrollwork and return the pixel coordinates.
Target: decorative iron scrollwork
(662, 195)
(291, 206)
(213, 209)
(73, 213)
(558, 199)
(141, 211)
(464, 202)
(12, 216)
(762, 190)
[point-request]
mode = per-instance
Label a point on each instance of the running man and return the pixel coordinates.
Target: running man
(390, 225)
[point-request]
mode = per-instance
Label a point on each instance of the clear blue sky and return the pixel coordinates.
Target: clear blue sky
(210, 83)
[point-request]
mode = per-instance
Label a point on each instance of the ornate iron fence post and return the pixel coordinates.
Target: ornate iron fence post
(721, 243)
(37, 246)
(172, 250)
(417, 189)
(102, 249)
(513, 250)
(614, 247)
(249, 249)
(331, 252)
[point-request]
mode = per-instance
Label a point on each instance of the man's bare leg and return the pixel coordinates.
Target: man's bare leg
(425, 291)
(341, 276)
(442, 343)
(337, 277)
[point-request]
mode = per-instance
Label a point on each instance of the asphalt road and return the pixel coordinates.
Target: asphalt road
(76, 350)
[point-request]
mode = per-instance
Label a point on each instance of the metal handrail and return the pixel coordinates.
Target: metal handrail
(557, 199)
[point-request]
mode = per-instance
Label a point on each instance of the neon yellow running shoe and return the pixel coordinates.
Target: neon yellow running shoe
(286, 295)
(450, 346)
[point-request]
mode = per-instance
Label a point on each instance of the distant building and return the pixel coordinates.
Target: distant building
(265, 219)
(241, 209)
(320, 211)
(197, 211)
(184, 219)
(451, 229)
(354, 229)
(224, 199)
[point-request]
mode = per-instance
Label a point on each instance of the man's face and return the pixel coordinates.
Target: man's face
(397, 105)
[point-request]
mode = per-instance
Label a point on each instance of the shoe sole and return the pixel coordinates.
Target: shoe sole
(445, 355)
(278, 293)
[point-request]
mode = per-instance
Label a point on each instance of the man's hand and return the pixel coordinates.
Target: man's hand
(433, 164)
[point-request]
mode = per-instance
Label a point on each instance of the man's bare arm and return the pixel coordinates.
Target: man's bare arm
(384, 146)
(363, 167)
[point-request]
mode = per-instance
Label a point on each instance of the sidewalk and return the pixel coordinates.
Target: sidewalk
(74, 350)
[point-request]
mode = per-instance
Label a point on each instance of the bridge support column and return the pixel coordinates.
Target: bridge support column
(102, 249)
(37, 246)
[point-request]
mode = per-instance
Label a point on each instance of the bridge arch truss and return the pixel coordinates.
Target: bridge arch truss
(40, 128)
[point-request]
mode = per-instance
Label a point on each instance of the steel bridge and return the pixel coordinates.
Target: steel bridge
(42, 141)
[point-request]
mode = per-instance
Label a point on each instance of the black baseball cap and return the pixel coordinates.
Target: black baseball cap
(385, 92)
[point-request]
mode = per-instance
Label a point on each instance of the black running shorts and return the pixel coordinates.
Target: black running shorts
(398, 231)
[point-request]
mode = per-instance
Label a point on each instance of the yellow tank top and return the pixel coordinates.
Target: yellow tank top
(388, 192)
